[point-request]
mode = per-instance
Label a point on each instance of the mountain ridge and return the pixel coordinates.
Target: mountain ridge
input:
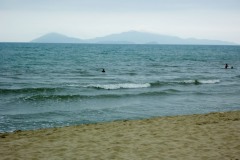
(130, 37)
(56, 38)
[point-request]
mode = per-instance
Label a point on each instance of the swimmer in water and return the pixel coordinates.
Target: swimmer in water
(226, 66)
(103, 70)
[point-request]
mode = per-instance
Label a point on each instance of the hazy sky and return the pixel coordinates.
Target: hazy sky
(24, 20)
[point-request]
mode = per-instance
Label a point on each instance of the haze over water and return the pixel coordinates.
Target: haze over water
(50, 85)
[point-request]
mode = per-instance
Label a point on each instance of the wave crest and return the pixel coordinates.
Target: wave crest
(120, 86)
(213, 81)
(154, 84)
(184, 82)
(28, 90)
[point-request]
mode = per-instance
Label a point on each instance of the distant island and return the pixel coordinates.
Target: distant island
(130, 37)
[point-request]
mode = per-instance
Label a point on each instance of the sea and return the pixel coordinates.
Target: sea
(56, 85)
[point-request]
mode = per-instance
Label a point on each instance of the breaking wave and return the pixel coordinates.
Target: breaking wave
(120, 86)
(184, 82)
(213, 81)
(154, 84)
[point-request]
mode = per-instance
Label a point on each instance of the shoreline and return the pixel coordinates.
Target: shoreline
(198, 136)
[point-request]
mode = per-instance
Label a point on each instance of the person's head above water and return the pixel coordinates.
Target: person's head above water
(226, 66)
(103, 70)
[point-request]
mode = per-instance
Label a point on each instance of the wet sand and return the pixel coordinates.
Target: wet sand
(207, 136)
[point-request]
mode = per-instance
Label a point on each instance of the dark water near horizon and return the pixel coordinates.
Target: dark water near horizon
(52, 85)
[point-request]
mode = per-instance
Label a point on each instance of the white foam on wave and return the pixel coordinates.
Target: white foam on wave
(73, 85)
(120, 86)
(212, 81)
(189, 81)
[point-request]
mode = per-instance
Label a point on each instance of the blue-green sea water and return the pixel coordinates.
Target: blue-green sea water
(52, 85)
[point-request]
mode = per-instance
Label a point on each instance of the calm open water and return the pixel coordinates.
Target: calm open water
(52, 85)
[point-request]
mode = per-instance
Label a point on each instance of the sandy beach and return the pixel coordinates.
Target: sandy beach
(206, 136)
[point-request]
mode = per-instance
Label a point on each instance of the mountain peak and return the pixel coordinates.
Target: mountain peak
(54, 37)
